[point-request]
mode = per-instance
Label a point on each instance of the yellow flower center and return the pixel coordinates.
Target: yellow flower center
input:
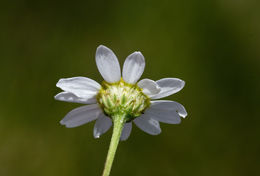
(122, 98)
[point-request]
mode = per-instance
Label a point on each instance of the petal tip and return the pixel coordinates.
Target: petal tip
(59, 82)
(102, 47)
(96, 136)
(55, 97)
(58, 96)
(183, 115)
(157, 133)
(183, 83)
(62, 122)
(138, 52)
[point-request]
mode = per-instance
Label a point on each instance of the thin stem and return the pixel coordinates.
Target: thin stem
(118, 121)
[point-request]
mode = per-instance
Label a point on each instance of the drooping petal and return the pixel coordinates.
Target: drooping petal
(161, 106)
(149, 87)
(133, 67)
(148, 125)
(102, 124)
(81, 115)
(80, 86)
(168, 87)
(166, 111)
(108, 64)
(126, 131)
(70, 97)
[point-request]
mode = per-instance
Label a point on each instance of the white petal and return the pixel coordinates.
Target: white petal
(81, 115)
(80, 86)
(168, 87)
(102, 124)
(108, 64)
(126, 131)
(149, 87)
(148, 125)
(70, 97)
(167, 105)
(133, 67)
(166, 111)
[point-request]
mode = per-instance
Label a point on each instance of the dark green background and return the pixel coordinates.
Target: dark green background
(212, 45)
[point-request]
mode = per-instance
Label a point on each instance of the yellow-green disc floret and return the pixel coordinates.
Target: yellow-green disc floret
(122, 98)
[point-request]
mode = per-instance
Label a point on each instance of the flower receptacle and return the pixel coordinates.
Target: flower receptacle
(122, 98)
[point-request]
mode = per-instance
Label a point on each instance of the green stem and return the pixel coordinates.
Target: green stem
(118, 124)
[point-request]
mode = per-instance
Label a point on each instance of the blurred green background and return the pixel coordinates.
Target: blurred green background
(212, 45)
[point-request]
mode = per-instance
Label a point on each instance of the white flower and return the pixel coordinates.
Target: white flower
(126, 93)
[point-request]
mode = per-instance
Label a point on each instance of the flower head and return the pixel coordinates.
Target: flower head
(121, 95)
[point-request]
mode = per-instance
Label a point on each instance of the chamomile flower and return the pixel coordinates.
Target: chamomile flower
(121, 95)
(120, 100)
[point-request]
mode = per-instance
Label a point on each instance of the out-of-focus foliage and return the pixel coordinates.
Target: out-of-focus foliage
(212, 45)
